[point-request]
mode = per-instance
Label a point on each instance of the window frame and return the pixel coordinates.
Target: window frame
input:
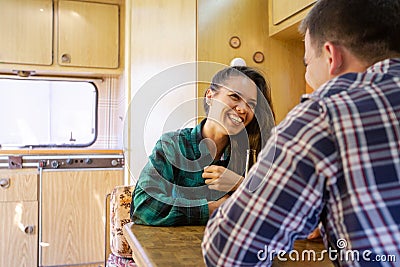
(91, 81)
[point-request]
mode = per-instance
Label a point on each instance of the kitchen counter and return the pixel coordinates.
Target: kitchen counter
(154, 246)
(61, 158)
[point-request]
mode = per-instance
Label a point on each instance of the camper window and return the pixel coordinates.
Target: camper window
(47, 113)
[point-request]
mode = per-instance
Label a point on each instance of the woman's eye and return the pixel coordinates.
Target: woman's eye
(235, 97)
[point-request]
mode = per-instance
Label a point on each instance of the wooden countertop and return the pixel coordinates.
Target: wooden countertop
(165, 246)
(181, 246)
(306, 245)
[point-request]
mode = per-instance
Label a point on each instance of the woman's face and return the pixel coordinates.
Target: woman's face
(233, 105)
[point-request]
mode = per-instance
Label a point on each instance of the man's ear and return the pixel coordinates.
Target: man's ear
(334, 55)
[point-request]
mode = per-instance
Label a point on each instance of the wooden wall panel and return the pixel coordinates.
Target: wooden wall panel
(286, 74)
(283, 64)
(162, 35)
(218, 21)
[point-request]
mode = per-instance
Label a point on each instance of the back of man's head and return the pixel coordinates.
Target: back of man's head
(370, 29)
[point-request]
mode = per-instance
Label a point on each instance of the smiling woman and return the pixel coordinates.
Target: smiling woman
(47, 113)
(233, 103)
(192, 171)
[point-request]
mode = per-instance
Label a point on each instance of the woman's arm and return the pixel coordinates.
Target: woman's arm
(158, 200)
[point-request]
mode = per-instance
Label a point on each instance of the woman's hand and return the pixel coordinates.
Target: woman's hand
(221, 179)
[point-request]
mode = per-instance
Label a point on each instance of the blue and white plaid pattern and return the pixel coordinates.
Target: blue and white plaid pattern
(335, 159)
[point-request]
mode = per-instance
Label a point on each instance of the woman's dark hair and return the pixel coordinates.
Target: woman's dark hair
(259, 129)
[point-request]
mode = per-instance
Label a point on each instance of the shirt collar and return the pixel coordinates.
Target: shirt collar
(389, 66)
(196, 138)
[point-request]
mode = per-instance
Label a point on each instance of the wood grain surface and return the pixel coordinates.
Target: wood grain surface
(23, 185)
(181, 246)
(73, 215)
(165, 246)
(18, 247)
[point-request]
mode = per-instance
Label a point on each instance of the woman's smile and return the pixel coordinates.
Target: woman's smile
(235, 119)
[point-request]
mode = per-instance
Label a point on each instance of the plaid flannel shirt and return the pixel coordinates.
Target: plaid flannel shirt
(170, 189)
(335, 159)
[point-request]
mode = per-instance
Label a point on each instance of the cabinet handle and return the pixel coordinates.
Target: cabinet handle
(5, 183)
(29, 229)
(66, 58)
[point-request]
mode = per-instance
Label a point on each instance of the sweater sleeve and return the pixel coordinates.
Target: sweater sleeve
(157, 199)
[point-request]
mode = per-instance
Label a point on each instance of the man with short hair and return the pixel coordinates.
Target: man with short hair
(335, 159)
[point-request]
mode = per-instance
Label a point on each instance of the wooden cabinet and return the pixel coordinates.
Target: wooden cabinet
(283, 65)
(73, 216)
(26, 30)
(285, 16)
(19, 217)
(88, 34)
(78, 37)
(57, 218)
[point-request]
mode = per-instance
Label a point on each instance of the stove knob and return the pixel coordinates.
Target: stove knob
(54, 164)
(88, 161)
(69, 161)
(42, 163)
(114, 162)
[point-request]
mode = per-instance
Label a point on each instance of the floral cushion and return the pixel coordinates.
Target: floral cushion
(115, 261)
(120, 205)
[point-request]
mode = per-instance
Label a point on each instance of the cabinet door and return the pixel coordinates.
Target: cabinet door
(19, 234)
(73, 215)
(283, 9)
(88, 34)
(26, 30)
(19, 184)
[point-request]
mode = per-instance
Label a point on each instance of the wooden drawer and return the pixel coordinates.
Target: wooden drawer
(19, 185)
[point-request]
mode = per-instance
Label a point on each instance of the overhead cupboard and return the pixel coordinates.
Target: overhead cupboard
(285, 16)
(61, 35)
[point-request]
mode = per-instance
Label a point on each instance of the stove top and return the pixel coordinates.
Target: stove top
(62, 161)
